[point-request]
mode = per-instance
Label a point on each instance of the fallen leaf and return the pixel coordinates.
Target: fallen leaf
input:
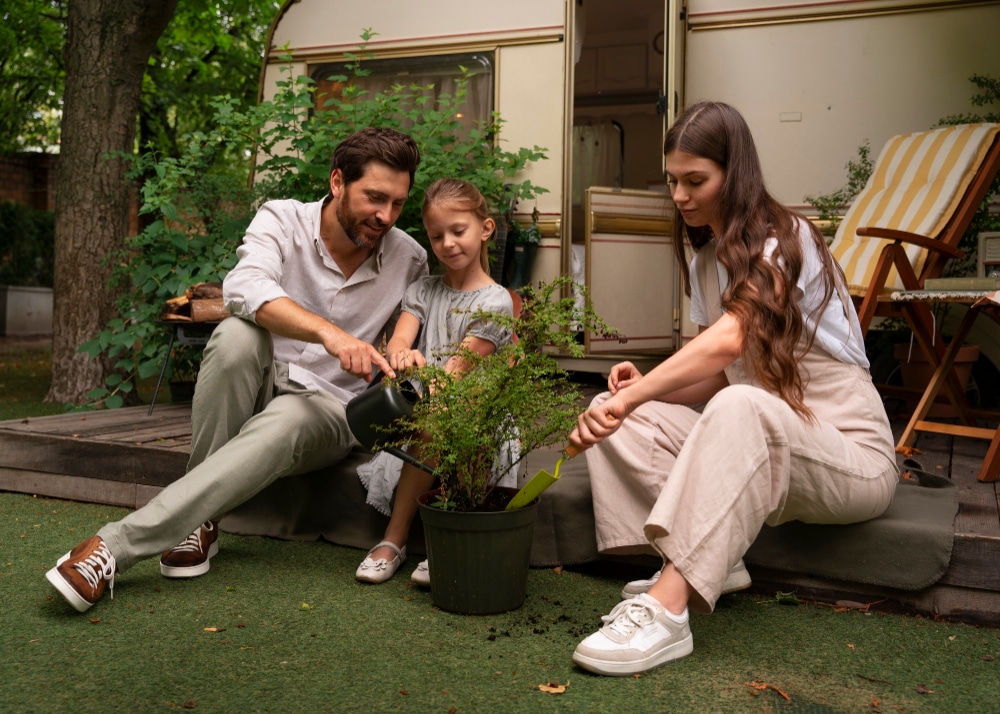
(850, 646)
(189, 705)
(557, 569)
(908, 450)
(94, 620)
(404, 692)
(215, 629)
(553, 687)
(761, 686)
(921, 689)
(305, 606)
(987, 658)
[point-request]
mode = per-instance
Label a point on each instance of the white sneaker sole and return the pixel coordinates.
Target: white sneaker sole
(192, 571)
(65, 589)
(676, 651)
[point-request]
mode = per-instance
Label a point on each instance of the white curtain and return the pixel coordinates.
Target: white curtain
(597, 156)
(478, 96)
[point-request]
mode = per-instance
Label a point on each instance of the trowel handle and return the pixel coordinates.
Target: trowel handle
(572, 450)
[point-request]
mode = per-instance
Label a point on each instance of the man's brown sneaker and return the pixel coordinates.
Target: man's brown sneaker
(81, 574)
(191, 557)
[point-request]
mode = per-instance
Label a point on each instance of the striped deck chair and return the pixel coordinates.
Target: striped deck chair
(907, 221)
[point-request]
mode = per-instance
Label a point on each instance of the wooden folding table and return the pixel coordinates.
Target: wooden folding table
(979, 302)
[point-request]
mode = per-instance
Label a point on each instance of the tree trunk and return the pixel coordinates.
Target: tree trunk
(107, 46)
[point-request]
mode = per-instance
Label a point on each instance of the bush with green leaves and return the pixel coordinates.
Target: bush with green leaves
(27, 245)
(518, 392)
(831, 206)
(984, 219)
(198, 206)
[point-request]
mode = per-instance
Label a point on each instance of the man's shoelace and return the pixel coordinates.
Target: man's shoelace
(193, 542)
(628, 616)
(98, 565)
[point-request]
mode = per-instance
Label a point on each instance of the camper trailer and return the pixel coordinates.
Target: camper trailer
(596, 82)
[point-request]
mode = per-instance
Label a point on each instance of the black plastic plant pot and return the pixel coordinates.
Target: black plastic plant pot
(478, 560)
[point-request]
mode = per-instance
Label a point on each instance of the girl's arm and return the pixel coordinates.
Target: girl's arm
(695, 369)
(398, 349)
(458, 364)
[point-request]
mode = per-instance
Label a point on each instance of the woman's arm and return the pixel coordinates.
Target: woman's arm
(694, 371)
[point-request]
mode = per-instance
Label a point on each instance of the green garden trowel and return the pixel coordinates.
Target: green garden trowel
(540, 481)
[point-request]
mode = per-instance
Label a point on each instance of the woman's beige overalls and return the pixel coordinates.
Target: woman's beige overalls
(699, 486)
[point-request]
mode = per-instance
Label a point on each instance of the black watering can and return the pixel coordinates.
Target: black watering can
(374, 417)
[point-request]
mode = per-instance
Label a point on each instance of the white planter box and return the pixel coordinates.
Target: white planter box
(25, 311)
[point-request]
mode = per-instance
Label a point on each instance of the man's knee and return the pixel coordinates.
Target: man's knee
(236, 341)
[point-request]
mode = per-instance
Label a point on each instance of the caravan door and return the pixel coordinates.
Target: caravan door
(628, 87)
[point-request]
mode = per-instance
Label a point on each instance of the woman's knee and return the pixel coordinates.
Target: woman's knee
(736, 401)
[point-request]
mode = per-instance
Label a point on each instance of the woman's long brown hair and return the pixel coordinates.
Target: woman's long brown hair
(761, 295)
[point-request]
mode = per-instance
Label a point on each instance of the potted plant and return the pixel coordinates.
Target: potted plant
(478, 551)
(525, 240)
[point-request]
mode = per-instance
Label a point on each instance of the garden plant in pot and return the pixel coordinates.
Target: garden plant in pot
(478, 551)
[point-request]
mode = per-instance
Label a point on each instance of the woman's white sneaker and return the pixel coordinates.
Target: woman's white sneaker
(638, 635)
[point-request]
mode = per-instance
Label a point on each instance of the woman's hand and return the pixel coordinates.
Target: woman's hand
(622, 375)
(599, 422)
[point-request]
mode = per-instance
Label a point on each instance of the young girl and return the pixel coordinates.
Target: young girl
(792, 430)
(439, 309)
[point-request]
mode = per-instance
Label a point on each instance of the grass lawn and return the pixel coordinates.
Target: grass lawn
(280, 626)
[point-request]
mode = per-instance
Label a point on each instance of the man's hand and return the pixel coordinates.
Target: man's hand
(356, 356)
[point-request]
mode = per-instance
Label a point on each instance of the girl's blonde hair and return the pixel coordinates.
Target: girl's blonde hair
(462, 196)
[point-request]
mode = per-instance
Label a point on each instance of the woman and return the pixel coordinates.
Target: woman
(791, 426)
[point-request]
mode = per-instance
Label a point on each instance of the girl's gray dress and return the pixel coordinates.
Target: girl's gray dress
(445, 316)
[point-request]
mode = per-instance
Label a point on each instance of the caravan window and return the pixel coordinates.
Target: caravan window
(441, 71)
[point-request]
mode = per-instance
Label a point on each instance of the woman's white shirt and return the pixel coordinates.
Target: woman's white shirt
(838, 331)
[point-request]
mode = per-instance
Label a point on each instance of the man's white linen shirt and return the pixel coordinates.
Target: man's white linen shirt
(282, 255)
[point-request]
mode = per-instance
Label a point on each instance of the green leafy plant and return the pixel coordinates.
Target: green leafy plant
(521, 234)
(518, 392)
(27, 245)
(984, 219)
(198, 206)
(831, 206)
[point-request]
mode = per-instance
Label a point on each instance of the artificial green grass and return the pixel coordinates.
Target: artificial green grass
(25, 372)
(297, 633)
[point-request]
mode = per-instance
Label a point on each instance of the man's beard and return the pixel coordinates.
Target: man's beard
(352, 225)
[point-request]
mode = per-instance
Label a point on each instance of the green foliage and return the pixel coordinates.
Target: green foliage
(984, 220)
(210, 48)
(32, 34)
(516, 393)
(831, 205)
(198, 204)
(27, 245)
(520, 234)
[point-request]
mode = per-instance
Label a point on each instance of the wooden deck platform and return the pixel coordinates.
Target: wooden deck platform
(123, 457)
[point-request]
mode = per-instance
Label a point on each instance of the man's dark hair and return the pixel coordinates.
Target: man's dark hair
(391, 147)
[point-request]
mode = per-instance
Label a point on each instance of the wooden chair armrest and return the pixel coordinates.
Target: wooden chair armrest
(914, 238)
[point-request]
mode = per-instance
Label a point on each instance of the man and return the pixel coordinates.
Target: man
(315, 287)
